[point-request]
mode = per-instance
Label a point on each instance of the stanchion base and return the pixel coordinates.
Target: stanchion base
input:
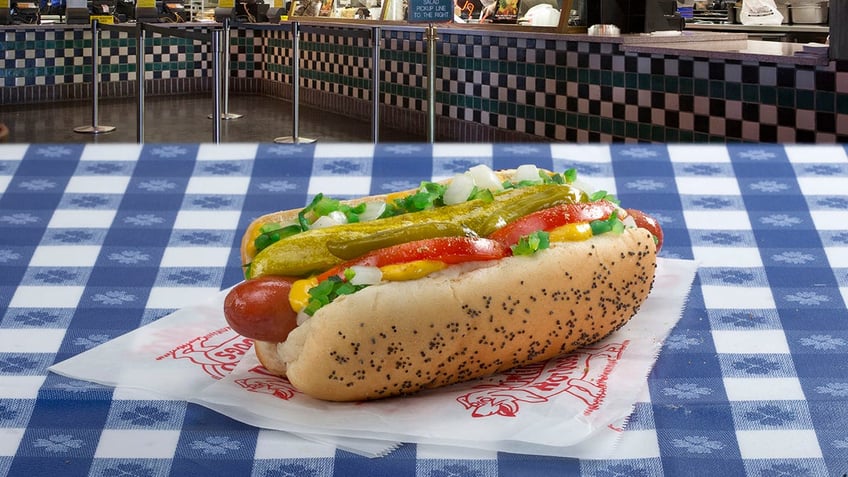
(227, 116)
(94, 129)
(294, 140)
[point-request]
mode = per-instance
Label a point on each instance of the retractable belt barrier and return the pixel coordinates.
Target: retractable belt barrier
(95, 127)
(95, 59)
(219, 39)
(431, 36)
(214, 36)
(351, 31)
(225, 73)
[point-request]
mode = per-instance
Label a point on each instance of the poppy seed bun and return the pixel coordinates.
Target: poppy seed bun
(463, 323)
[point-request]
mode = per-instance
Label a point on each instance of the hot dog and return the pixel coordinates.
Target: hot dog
(388, 295)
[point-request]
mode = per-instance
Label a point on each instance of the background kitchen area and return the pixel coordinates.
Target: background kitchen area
(803, 21)
(494, 82)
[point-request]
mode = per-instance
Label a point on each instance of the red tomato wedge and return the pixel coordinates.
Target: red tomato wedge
(645, 221)
(447, 249)
(549, 219)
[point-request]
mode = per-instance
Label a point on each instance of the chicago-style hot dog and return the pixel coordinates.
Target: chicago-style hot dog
(388, 295)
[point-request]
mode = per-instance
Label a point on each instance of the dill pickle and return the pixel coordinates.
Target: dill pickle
(351, 249)
(310, 252)
(537, 198)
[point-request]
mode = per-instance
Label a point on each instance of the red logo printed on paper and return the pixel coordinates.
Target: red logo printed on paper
(267, 383)
(217, 352)
(582, 374)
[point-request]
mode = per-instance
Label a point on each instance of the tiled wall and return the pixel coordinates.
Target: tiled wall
(45, 64)
(488, 88)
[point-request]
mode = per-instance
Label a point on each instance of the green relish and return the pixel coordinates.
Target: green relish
(532, 243)
(330, 289)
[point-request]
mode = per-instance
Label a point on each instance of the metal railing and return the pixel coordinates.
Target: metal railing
(219, 40)
(226, 115)
(372, 32)
(216, 37)
(95, 127)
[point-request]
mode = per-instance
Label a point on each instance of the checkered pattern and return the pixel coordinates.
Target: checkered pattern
(277, 60)
(559, 89)
(98, 240)
(344, 70)
(63, 56)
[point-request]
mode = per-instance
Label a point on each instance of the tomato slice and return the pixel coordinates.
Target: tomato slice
(645, 221)
(446, 249)
(551, 218)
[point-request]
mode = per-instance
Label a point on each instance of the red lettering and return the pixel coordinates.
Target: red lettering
(224, 355)
(524, 375)
(232, 353)
(545, 386)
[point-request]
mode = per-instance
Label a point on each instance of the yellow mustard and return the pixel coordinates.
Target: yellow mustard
(411, 270)
(299, 294)
(571, 233)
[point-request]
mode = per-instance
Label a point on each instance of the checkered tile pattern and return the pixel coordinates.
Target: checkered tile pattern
(276, 62)
(98, 240)
(63, 56)
(556, 89)
(344, 69)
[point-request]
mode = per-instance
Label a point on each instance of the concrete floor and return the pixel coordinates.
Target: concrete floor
(181, 119)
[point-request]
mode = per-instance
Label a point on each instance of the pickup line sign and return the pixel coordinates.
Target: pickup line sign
(430, 10)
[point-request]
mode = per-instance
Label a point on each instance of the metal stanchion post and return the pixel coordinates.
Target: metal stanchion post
(431, 37)
(95, 128)
(139, 72)
(225, 72)
(375, 85)
(217, 39)
(295, 137)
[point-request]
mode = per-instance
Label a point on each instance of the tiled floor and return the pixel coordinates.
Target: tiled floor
(185, 119)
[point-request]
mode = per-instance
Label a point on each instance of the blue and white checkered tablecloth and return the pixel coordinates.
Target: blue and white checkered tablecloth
(97, 240)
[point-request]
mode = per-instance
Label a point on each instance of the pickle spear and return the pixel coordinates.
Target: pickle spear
(312, 251)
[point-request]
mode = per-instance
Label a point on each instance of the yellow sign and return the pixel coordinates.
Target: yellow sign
(4, 3)
(105, 19)
(146, 4)
(226, 3)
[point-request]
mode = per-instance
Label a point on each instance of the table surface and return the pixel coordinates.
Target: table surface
(752, 381)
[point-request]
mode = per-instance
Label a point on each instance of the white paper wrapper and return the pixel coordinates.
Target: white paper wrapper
(180, 355)
(572, 406)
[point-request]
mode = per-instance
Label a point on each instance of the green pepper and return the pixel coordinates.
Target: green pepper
(313, 250)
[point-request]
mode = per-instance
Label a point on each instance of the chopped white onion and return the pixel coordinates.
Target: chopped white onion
(372, 210)
(527, 172)
(328, 221)
(629, 222)
(338, 216)
(584, 186)
(459, 189)
(485, 178)
(365, 275)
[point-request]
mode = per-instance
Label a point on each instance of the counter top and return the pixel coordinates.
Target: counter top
(738, 27)
(732, 43)
(737, 49)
